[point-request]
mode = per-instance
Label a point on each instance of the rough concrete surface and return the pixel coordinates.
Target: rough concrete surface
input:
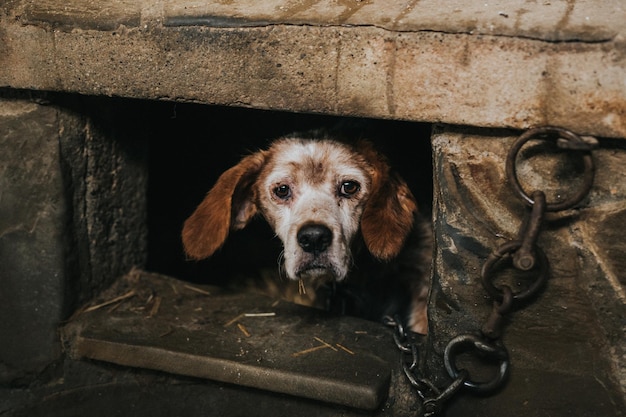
(245, 339)
(573, 331)
(104, 163)
(32, 242)
(72, 218)
(498, 64)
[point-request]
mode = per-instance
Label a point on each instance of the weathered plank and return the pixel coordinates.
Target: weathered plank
(245, 339)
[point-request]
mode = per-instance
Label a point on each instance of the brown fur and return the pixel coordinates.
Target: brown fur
(207, 229)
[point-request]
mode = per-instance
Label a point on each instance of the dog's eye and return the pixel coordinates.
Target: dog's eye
(349, 188)
(282, 191)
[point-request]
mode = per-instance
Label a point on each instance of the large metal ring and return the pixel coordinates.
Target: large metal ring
(551, 133)
(462, 343)
(497, 255)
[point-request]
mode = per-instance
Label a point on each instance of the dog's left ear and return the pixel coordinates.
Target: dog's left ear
(229, 205)
(389, 213)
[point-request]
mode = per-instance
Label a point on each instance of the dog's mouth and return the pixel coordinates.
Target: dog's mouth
(317, 271)
(316, 267)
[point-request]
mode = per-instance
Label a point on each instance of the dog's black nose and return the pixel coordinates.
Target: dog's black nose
(314, 238)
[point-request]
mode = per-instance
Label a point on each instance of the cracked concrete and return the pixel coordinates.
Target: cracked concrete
(552, 21)
(487, 64)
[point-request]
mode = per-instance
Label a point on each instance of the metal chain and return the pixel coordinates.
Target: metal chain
(431, 396)
(524, 255)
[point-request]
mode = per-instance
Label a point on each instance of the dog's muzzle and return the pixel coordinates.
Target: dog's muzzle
(314, 239)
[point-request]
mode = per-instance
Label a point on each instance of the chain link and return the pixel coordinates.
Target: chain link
(432, 397)
(523, 254)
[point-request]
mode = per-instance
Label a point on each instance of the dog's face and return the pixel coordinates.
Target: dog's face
(317, 195)
(313, 194)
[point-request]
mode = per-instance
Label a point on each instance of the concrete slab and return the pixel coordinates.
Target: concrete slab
(154, 322)
(487, 64)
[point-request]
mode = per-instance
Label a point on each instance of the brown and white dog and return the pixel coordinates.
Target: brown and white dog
(343, 218)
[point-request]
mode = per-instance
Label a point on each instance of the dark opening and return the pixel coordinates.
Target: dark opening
(193, 144)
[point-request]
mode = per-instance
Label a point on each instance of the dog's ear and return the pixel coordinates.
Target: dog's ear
(229, 205)
(389, 213)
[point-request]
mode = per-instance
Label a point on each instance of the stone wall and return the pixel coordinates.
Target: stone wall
(72, 218)
(571, 331)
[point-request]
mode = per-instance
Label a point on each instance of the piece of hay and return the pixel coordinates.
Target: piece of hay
(129, 294)
(345, 349)
(243, 329)
(196, 289)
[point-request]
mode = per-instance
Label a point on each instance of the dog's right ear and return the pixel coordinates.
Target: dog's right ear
(389, 214)
(229, 205)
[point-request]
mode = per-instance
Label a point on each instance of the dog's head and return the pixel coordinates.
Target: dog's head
(317, 195)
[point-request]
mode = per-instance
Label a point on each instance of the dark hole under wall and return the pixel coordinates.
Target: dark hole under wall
(193, 144)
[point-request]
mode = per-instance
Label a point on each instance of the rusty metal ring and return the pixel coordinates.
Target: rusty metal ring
(485, 348)
(494, 257)
(546, 133)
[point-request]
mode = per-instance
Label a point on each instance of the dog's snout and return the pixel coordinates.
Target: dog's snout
(314, 238)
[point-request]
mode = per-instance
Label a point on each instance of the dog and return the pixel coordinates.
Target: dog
(349, 225)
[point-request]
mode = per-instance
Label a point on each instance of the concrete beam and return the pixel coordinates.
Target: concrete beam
(503, 65)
